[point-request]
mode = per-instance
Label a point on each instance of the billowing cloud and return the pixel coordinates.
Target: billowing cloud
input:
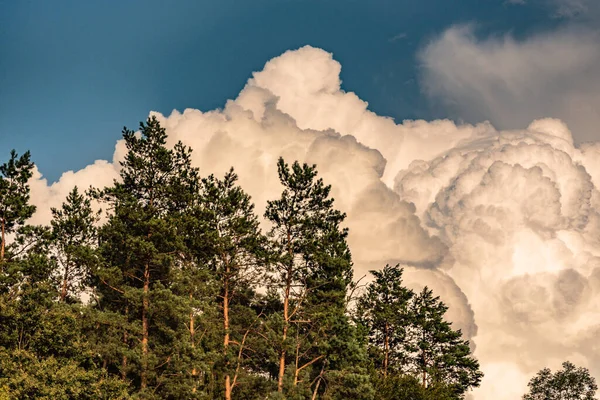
(511, 82)
(503, 225)
(519, 215)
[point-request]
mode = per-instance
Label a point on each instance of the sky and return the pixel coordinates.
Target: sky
(78, 71)
(461, 138)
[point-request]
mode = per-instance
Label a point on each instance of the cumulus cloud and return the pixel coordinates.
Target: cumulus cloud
(503, 225)
(511, 82)
(519, 214)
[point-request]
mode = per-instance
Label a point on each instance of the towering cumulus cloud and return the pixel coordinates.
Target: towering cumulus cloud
(502, 224)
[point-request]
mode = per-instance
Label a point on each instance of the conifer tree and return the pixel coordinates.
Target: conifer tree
(410, 341)
(199, 343)
(14, 196)
(141, 247)
(43, 348)
(383, 311)
(74, 232)
(438, 353)
(313, 272)
(237, 245)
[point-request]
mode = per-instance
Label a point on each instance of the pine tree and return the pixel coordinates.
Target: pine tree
(43, 349)
(14, 196)
(237, 245)
(141, 247)
(313, 272)
(199, 343)
(438, 353)
(383, 311)
(74, 232)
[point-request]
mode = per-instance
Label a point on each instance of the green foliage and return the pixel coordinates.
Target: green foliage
(142, 249)
(438, 352)
(407, 387)
(14, 195)
(408, 335)
(25, 376)
(178, 294)
(74, 235)
(383, 311)
(313, 272)
(43, 351)
(569, 383)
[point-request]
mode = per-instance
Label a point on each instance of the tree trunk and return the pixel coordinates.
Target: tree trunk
(3, 241)
(226, 336)
(286, 317)
(145, 306)
(297, 364)
(65, 283)
(314, 396)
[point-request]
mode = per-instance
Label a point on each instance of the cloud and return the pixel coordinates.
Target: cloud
(399, 36)
(502, 224)
(518, 211)
(511, 82)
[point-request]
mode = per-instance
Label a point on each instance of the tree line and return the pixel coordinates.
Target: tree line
(175, 292)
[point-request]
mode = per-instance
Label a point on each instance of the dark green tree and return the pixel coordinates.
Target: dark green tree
(569, 383)
(14, 196)
(44, 352)
(408, 387)
(199, 337)
(142, 247)
(237, 262)
(437, 352)
(383, 311)
(74, 239)
(313, 271)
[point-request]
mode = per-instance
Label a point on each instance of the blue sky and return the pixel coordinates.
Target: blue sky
(73, 73)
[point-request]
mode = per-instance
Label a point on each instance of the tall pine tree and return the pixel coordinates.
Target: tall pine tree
(14, 196)
(141, 246)
(437, 352)
(383, 311)
(237, 247)
(313, 272)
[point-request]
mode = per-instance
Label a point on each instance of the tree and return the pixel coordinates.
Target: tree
(383, 311)
(142, 247)
(237, 245)
(14, 196)
(569, 383)
(408, 387)
(410, 339)
(44, 352)
(313, 271)
(437, 352)
(74, 234)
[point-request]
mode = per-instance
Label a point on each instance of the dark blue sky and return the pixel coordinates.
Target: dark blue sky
(73, 73)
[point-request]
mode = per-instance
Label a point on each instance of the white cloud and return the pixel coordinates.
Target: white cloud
(503, 225)
(511, 82)
(519, 214)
